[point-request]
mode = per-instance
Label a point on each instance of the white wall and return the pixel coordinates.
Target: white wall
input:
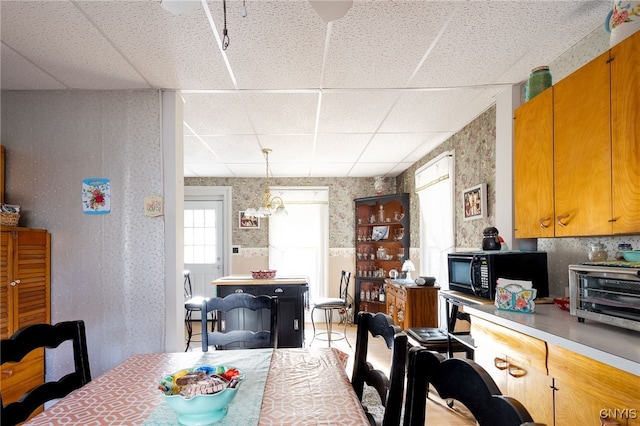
(106, 269)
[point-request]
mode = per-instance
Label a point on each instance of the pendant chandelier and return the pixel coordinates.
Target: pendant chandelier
(269, 206)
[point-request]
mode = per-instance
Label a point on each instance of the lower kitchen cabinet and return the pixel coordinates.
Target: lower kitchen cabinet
(412, 305)
(586, 389)
(291, 298)
(518, 365)
(557, 386)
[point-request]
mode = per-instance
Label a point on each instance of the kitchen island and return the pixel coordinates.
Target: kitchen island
(563, 371)
(292, 295)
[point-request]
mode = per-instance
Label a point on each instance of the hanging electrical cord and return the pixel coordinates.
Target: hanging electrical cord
(225, 36)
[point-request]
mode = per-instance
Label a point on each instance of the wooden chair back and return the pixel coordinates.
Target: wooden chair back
(35, 336)
(391, 388)
(249, 330)
(461, 380)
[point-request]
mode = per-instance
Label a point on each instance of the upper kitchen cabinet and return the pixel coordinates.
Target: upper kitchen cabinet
(533, 167)
(584, 173)
(625, 134)
(582, 151)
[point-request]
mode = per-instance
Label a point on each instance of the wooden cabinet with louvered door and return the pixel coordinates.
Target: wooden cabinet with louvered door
(582, 151)
(625, 135)
(25, 271)
(533, 167)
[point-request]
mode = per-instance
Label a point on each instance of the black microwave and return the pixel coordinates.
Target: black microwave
(477, 272)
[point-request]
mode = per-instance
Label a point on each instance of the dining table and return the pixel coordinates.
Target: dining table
(287, 386)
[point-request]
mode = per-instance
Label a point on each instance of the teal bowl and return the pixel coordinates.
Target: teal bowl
(199, 409)
(631, 255)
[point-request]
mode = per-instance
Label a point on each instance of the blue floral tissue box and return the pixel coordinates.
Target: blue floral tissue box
(513, 297)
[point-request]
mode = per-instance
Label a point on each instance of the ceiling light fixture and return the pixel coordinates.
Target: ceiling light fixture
(269, 205)
(243, 10)
(225, 35)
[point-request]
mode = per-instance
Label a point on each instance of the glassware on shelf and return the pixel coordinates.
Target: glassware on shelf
(399, 233)
(381, 214)
(400, 253)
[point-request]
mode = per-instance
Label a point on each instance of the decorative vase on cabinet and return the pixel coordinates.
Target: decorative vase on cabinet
(382, 244)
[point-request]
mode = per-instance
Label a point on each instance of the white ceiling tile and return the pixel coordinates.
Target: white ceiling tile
(278, 45)
(282, 113)
(379, 44)
(354, 112)
(216, 114)
(340, 148)
(399, 168)
(330, 169)
(361, 169)
(197, 151)
(391, 147)
(431, 141)
(171, 51)
(374, 119)
(57, 37)
(285, 148)
(20, 74)
(230, 148)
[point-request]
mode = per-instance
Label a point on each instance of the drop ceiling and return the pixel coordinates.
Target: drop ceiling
(366, 95)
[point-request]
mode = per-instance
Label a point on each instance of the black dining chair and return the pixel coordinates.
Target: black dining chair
(391, 388)
(460, 380)
(36, 336)
(192, 304)
(330, 304)
(244, 321)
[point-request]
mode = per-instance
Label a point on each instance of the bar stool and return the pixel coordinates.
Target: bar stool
(328, 305)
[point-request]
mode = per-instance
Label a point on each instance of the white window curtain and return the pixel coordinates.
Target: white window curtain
(299, 242)
(435, 189)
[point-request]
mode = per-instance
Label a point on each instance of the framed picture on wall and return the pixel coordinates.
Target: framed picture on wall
(248, 222)
(474, 202)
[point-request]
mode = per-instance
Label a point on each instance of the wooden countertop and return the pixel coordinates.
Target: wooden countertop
(248, 280)
(617, 347)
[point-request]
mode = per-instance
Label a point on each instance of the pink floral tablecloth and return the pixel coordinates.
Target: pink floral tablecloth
(306, 386)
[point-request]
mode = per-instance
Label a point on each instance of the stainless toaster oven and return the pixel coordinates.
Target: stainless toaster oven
(608, 294)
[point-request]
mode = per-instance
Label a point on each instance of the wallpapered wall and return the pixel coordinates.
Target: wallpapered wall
(475, 148)
(342, 192)
(105, 269)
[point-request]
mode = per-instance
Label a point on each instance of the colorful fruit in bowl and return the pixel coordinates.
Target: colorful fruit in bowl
(201, 395)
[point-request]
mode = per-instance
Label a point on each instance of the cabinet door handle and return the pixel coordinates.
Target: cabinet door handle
(296, 324)
(560, 222)
(517, 371)
(7, 373)
(544, 222)
(14, 283)
(278, 290)
(500, 363)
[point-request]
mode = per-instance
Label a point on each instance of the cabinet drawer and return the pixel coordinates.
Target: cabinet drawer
(256, 290)
(399, 292)
(522, 350)
(18, 378)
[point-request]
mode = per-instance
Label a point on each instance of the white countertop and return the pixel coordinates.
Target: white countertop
(247, 279)
(617, 347)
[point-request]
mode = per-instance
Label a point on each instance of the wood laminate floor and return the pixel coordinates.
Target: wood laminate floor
(437, 412)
